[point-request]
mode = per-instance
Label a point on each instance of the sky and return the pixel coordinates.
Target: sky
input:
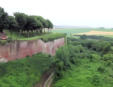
(92, 13)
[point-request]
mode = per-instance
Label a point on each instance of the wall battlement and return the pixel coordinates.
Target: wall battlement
(21, 49)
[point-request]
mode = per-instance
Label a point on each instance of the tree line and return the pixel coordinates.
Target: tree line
(23, 23)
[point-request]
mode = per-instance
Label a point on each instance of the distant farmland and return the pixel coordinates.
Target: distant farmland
(97, 33)
(71, 31)
(82, 31)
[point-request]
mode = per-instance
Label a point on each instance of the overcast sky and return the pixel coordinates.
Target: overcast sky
(94, 13)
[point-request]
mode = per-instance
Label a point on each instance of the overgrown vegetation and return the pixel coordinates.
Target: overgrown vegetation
(25, 72)
(88, 59)
(85, 63)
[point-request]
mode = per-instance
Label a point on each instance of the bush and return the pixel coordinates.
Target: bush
(83, 37)
(101, 69)
(107, 57)
(94, 57)
(63, 55)
(96, 80)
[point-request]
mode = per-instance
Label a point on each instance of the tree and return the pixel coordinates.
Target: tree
(39, 26)
(12, 24)
(43, 22)
(31, 24)
(63, 54)
(21, 22)
(3, 20)
(21, 19)
(49, 24)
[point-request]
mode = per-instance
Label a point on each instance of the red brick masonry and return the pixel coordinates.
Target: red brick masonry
(21, 49)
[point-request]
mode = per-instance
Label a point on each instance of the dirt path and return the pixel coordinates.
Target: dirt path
(46, 80)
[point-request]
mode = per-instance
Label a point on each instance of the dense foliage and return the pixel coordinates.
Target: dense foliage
(25, 72)
(80, 61)
(3, 20)
(23, 23)
(85, 63)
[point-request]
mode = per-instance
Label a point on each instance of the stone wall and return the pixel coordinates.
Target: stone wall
(21, 49)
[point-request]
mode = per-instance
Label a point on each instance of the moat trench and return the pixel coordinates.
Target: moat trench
(46, 79)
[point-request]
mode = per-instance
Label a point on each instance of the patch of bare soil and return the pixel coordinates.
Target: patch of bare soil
(96, 33)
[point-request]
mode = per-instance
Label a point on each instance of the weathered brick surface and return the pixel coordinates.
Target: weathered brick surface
(21, 49)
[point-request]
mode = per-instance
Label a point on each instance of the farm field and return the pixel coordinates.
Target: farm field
(99, 33)
(70, 32)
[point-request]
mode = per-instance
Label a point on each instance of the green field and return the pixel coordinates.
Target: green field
(69, 32)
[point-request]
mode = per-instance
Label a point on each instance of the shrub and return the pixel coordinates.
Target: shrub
(83, 37)
(107, 57)
(101, 69)
(63, 54)
(96, 80)
(94, 57)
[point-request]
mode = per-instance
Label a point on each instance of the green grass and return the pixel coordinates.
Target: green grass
(71, 31)
(25, 72)
(44, 36)
(107, 30)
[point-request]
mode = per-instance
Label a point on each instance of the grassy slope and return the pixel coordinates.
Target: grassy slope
(86, 75)
(25, 72)
(44, 36)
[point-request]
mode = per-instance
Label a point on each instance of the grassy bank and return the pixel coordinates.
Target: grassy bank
(24, 72)
(44, 36)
